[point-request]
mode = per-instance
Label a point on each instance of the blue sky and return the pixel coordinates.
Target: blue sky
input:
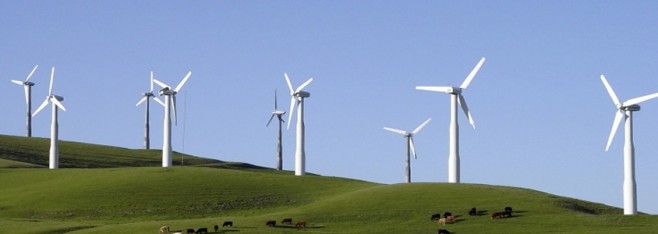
(541, 112)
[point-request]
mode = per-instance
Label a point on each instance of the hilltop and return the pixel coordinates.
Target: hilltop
(106, 193)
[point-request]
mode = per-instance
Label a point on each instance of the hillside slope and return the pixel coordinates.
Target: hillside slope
(115, 190)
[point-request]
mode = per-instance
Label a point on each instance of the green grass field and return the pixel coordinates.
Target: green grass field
(105, 189)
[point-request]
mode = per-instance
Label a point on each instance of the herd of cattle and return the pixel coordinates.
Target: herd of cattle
(287, 222)
(449, 218)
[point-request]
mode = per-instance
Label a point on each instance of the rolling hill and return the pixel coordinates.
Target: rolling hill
(116, 190)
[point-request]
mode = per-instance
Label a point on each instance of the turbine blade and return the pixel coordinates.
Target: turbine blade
(292, 110)
(141, 100)
(412, 147)
(292, 91)
(158, 100)
(639, 100)
(421, 126)
(52, 78)
(27, 98)
(443, 89)
(462, 101)
(275, 105)
(32, 72)
(43, 105)
(268, 122)
(615, 126)
(301, 87)
(57, 103)
(151, 90)
(18, 82)
(182, 82)
(398, 131)
(160, 83)
(471, 75)
(173, 105)
(611, 92)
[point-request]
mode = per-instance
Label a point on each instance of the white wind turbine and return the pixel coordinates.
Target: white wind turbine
(411, 149)
(169, 102)
(279, 148)
(626, 109)
(456, 98)
(298, 95)
(27, 86)
(56, 103)
(145, 98)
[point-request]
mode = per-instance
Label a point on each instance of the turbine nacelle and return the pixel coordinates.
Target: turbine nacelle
(302, 94)
(630, 108)
(167, 91)
(57, 97)
(148, 94)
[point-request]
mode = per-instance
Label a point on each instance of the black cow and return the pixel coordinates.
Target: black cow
(202, 230)
(473, 212)
(508, 212)
(287, 221)
(443, 231)
(190, 231)
(446, 214)
(271, 223)
(227, 224)
(435, 217)
(216, 228)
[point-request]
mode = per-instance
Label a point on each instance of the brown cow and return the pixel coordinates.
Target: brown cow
(442, 221)
(497, 215)
(164, 229)
(300, 224)
(271, 223)
(287, 221)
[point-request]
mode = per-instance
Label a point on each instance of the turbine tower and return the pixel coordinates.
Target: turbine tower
(456, 98)
(169, 102)
(54, 127)
(279, 149)
(298, 95)
(27, 86)
(625, 110)
(410, 144)
(145, 98)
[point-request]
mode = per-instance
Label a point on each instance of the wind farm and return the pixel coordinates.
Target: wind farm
(543, 143)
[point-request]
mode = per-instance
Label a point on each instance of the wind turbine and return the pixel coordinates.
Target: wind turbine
(456, 98)
(298, 95)
(27, 86)
(410, 144)
(54, 127)
(279, 151)
(169, 102)
(626, 109)
(145, 98)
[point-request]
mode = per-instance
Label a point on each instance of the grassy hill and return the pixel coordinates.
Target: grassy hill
(105, 198)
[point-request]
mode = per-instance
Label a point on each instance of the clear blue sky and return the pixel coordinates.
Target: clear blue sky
(541, 112)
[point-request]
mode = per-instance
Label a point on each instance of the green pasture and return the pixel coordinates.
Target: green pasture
(116, 190)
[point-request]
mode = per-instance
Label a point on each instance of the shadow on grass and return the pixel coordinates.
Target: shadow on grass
(300, 228)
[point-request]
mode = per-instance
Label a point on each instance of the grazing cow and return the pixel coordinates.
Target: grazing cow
(473, 212)
(435, 217)
(446, 214)
(442, 221)
(443, 231)
(178, 232)
(164, 229)
(202, 230)
(287, 221)
(216, 228)
(300, 224)
(450, 219)
(508, 212)
(227, 224)
(190, 231)
(497, 215)
(271, 223)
